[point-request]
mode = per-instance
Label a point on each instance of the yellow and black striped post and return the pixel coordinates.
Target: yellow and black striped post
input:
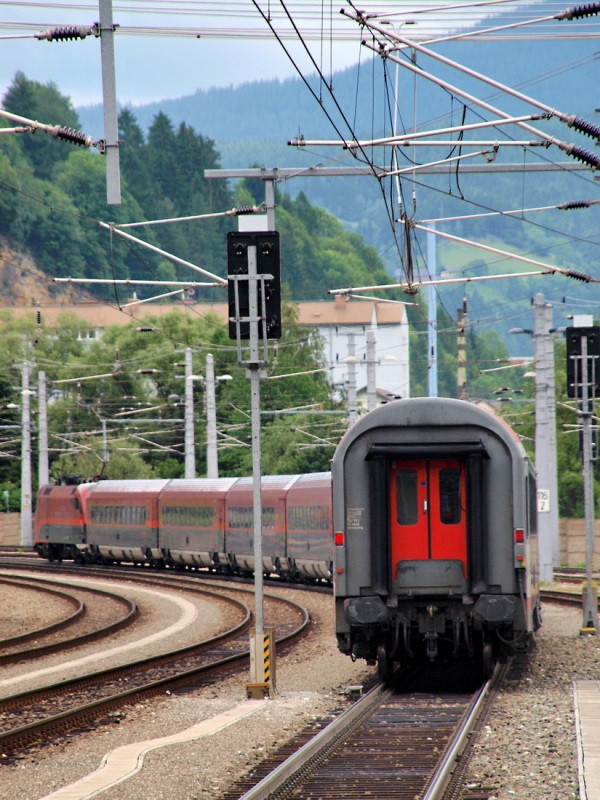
(262, 664)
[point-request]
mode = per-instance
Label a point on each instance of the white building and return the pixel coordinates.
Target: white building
(345, 320)
(338, 321)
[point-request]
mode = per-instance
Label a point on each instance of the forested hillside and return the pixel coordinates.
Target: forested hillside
(54, 197)
(252, 123)
(278, 110)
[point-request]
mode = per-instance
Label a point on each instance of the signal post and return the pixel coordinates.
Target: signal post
(254, 295)
(583, 383)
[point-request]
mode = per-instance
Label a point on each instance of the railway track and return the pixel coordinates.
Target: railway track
(561, 598)
(395, 721)
(80, 599)
(72, 704)
(573, 575)
(391, 743)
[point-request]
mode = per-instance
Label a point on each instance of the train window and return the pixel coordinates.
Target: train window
(204, 516)
(118, 515)
(406, 496)
(268, 517)
(243, 517)
(188, 516)
(97, 514)
(240, 517)
(308, 518)
(450, 511)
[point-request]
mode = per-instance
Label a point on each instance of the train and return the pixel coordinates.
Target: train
(425, 526)
(200, 523)
(435, 531)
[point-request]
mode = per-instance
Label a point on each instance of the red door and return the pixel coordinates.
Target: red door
(428, 514)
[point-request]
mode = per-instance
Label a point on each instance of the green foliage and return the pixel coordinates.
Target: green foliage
(131, 384)
(44, 104)
(317, 254)
(482, 352)
(122, 464)
(52, 199)
(10, 497)
(10, 449)
(299, 356)
(53, 196)
(298, 444)
(62, 201)
(569, 463)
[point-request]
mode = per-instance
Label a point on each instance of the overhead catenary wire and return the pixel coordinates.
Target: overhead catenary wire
(576, 151)
(432, 18)
(573, 150)
(349, 291)
(268, 19)
(138, 302)
(583, 126)
(381, 299)
(569, 273)
(58, 131)
(131, 282)
(232, 212)
(411, 138)
(568, 206)
(111, 227)
(488, 155)
(517, 218)
(568, 14)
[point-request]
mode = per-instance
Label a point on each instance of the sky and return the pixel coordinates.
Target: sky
(149, 66)
(158, 53)
(146, 69)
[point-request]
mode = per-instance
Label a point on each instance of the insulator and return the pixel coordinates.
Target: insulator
(579, 276)
(584, 126)
(244, 210)
(412, 290)
(73, 136)
(578, 12)
(67, 33)
(574, 204)
(586, 156)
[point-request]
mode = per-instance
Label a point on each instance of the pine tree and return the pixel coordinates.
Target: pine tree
(44, 104)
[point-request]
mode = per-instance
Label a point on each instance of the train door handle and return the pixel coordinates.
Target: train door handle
(424, 506)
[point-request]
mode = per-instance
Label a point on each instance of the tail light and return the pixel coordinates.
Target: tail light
(519, 547)
(339, 539)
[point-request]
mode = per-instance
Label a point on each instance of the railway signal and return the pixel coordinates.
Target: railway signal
(583, 383)
(268, 284)
(254, 293)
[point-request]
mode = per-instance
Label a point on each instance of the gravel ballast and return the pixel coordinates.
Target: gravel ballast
(527, 749)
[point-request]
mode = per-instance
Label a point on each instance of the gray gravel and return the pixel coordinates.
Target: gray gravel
(527, 751)
(528, 748)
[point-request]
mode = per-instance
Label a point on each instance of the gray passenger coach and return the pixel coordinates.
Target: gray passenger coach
(434, 511)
